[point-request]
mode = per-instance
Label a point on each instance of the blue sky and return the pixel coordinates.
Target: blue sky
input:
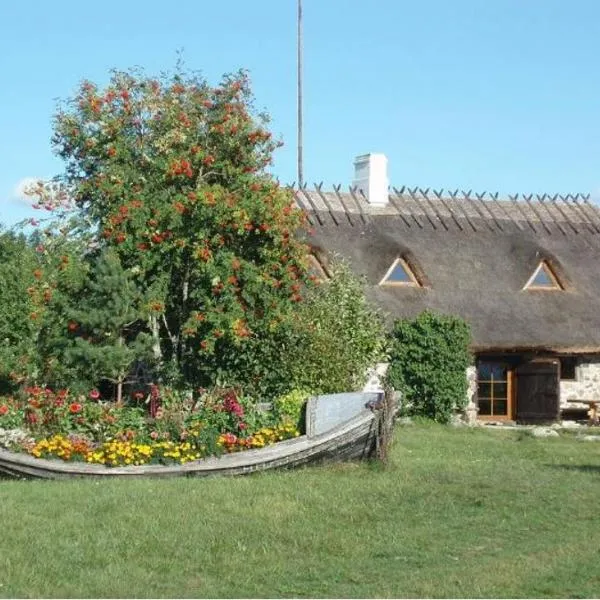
(500, 95)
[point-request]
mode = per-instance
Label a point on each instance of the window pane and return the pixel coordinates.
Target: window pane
(499, 372)
(567, 367)
(399, 274)
(500, 390)
(500, 407)
(485, 406)
(484, 390)
(542, 279)
(484, 371)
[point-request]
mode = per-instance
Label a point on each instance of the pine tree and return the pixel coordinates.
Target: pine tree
(104, 324)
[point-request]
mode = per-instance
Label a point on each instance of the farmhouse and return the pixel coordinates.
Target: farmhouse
(523, 271)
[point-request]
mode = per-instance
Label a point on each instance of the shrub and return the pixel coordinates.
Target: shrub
(326, 345)
(429, 356)
(341, 335)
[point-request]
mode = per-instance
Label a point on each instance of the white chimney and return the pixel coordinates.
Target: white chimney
(370, 176)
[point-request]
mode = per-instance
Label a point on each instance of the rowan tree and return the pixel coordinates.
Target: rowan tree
(171, 173)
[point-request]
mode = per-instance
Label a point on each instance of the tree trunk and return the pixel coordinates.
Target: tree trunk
(120, 392)
(121, 376)
(155, 332)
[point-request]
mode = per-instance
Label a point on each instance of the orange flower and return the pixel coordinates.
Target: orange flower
(75, 407)
(179, 207)
(3, 409)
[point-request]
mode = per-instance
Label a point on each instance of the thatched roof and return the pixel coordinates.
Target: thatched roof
(473, 256)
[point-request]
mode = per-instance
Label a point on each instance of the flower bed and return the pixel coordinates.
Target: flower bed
(157, 427)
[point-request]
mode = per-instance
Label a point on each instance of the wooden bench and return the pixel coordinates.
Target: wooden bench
(593, 408)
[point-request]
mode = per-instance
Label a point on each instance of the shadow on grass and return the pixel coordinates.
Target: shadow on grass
(580, 468)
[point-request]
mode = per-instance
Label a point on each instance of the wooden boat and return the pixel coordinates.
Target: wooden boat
(355, 438)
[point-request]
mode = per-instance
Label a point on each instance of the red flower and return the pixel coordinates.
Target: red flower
(75, 407)
(72, 326)
(94, 394)
(3, 409)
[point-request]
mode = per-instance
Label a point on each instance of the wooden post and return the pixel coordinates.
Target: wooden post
(300, 158)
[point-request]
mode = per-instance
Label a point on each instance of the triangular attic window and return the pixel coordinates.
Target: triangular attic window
(315, 268)
(543, 279)
(399, 274)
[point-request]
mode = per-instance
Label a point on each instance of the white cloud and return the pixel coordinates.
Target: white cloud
(19, 189)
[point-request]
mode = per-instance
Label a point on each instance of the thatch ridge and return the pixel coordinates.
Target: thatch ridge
(569, 214)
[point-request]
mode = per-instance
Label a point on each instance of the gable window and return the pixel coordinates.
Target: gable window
(543, 278)
(400, 273)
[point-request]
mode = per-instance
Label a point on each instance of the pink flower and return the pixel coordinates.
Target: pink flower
(154, 435)
(94, 394)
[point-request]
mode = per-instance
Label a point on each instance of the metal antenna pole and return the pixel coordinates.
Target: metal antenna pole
(300, 165)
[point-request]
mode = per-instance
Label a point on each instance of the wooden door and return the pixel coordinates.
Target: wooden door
(538, 392)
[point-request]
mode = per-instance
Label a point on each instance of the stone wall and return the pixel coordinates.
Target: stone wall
(470, 413)
(375, 377)
(586, 385)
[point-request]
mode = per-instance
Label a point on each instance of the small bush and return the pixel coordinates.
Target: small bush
(291, 407)
(339, 336)
(326, 345)
(429, 356)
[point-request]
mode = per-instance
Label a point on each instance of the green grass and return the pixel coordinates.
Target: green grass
(458, 513)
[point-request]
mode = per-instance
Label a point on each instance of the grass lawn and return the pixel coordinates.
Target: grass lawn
(458, 513)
